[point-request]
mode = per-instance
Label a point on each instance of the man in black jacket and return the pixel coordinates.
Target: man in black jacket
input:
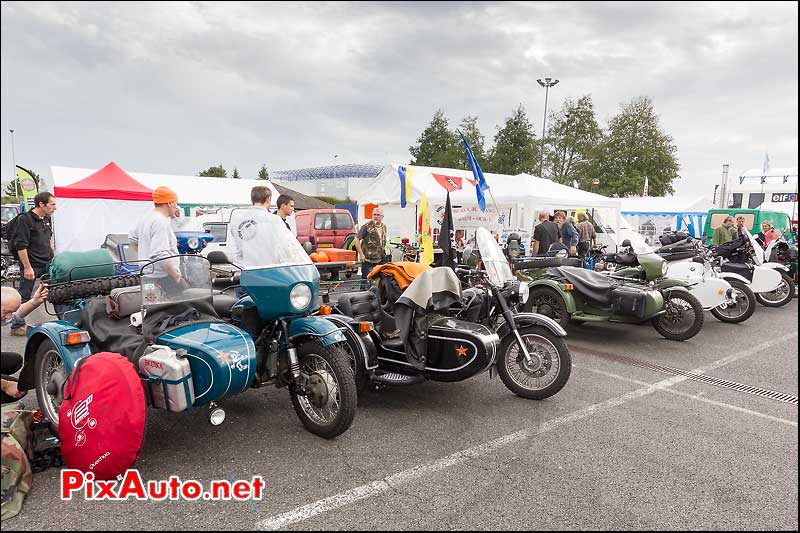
(33, 241)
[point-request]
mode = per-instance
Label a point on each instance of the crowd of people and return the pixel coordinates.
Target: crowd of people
(576, 239)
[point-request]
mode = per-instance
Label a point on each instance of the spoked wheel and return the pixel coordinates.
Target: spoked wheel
(50, 379)
(740, 308)
(780, 296)
(545, 373)
(548, 302)
(325, 399)
(683, 318)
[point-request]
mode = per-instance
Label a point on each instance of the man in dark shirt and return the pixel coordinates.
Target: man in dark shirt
(285, 209)
(544, 234)
(33, 241)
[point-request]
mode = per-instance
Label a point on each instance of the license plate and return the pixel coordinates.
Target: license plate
(325, 245)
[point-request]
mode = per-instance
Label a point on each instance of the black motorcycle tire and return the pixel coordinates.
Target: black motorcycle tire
(74, 290)
(337, 360)
(694, 329)
(554, 299)
(788, 284)
(564, 360)
(47, 403)
(749, 295)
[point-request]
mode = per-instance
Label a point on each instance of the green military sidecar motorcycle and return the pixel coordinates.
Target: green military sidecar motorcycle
(633, 295)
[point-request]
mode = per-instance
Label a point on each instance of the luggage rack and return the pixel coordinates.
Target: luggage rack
(69, 289)
(328, 288)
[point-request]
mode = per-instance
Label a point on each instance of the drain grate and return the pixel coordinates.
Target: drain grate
(709, 380)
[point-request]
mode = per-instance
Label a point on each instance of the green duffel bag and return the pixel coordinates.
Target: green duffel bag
(72, 266)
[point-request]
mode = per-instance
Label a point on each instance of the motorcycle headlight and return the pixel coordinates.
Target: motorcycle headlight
(193, 243)
(300, 296)
(524, 292)
(664, 269)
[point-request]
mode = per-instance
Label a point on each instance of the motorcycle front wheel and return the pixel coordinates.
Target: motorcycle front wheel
(325, 399)
(683, 318)
(545, 374)
(50, 377)
(742, 309)
(780, 296)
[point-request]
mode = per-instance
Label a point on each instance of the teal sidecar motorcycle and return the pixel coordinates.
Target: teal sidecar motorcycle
(188, 357)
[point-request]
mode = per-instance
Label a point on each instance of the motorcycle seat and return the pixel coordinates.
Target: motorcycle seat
(362, 306)
(681, 246)
(592, 285)
(223, 303)
(626, 259)
(677, 255)
(739, 268)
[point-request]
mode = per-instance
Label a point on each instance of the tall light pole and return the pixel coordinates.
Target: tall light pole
(14, 164)
(546, 83)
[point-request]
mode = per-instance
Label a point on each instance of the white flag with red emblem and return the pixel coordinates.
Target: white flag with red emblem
(646, 187)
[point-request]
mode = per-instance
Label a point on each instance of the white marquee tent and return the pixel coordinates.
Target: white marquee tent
(519, 199)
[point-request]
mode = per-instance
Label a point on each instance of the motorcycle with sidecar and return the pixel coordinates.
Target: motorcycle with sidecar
(436, 331)
(635, 294)
(178, 327)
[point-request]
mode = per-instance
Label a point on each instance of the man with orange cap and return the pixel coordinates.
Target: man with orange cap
(156, 240)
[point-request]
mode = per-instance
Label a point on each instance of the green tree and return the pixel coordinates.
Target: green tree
(437, 146)
(235, 174)
(571, 141)
(13, 189)
(214, 172)
(469, 127)
(515, 147)
(263, 173)
(635, 148)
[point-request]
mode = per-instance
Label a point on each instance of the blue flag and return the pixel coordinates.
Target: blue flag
(480, 181)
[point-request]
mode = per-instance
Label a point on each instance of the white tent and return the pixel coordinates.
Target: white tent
(518, 199)
(651, 215)
(93, 203)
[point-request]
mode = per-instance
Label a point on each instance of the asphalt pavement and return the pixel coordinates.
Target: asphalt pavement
(647, 434)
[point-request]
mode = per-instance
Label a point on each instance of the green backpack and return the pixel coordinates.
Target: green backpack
(17, 452)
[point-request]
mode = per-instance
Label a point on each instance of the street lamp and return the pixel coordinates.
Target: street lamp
(14, 163)
(546, 83)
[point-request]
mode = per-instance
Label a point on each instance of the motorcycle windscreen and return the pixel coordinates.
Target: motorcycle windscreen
(757, 253)
(262, 240)
(177, 287)
(495, 263)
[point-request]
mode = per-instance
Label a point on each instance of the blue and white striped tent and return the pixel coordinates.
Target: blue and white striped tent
(651, 215)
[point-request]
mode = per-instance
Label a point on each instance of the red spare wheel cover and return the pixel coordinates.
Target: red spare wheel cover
(101, 420)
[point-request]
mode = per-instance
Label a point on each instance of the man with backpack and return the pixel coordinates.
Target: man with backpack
(30, 238)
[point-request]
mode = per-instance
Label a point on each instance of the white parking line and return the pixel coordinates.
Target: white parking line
(380, 486)
(698, 398)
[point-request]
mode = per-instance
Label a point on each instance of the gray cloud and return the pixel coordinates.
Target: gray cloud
(177, 87)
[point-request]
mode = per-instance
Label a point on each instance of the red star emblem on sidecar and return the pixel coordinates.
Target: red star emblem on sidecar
(462, 352)
(223, 357)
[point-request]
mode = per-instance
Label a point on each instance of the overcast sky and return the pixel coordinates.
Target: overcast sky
(178, 87)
